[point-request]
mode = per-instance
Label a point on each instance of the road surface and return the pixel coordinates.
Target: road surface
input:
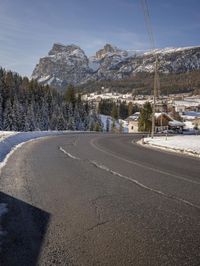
(99, 199)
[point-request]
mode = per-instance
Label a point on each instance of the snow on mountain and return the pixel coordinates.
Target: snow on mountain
(62, 65)
(94, 64)
(169, 50)
(67, 64)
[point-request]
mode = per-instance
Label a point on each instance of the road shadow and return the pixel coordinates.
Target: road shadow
(25, 227)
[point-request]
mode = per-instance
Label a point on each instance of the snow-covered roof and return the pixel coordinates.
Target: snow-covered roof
(176, 123)
(186, 103)
(133, 117)
(157, 115)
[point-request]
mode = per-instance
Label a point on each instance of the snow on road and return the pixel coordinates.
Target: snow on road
(182, 143)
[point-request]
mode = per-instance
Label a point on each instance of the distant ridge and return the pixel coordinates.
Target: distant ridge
(68, 64)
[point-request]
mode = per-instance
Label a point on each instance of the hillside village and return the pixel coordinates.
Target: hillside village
(175, 113)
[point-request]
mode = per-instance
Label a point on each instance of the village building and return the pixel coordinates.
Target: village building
(191, 120)
(163, 121)
(133, 123)
(187, 105)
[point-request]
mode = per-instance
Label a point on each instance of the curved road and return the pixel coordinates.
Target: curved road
(99, 199)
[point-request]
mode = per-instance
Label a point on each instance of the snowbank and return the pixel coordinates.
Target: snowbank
(182, 144)
(11, 139)
(6, 134)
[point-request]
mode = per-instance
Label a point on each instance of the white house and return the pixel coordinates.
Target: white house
(133, 122)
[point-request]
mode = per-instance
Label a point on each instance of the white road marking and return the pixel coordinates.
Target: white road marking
(105, 168)
(144, 166)
(136, 182)
(68, 154)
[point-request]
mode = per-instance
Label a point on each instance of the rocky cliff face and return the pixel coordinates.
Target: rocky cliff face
(69, 64)
(63, 65)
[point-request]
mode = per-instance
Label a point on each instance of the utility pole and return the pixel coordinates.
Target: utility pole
(156, 79)
(155, 94)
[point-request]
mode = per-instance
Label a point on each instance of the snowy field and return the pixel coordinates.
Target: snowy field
(184, 144)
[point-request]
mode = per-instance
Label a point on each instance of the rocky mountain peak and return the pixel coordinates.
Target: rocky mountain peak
(61, 48)
(107, 49)
(64, 64)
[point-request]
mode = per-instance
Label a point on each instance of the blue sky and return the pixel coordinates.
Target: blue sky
(29, 28)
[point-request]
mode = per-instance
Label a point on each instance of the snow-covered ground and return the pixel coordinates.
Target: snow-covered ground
(10, 140)
(6, 134)
(184, 144)
(104, 119)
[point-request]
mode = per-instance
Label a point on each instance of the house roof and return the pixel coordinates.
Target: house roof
(133, 117)
(172, 122)
(157, 115)
(176, 123)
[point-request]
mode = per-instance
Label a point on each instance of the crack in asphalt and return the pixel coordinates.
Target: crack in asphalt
(96, 226)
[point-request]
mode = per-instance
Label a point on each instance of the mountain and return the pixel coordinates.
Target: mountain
(63, 65)
(68, 64)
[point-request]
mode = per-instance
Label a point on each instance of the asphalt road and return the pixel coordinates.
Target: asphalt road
(98, 199)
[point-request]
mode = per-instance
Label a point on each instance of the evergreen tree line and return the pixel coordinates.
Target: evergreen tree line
(142, 83)
(26, 106)
(117, 109)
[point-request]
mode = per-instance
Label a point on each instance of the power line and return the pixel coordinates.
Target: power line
(148, 22)
(156, 90)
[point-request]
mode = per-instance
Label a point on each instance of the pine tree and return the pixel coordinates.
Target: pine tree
(145, 118)
(114, 112)
(30, 121)
(8, 117)
(26, 106)
(130, 108)
(70, 95)
(107, 125)
(16, 115)
(123, 110)
(92, 126)
(61, 123)
(120, 127)
(113, 125)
